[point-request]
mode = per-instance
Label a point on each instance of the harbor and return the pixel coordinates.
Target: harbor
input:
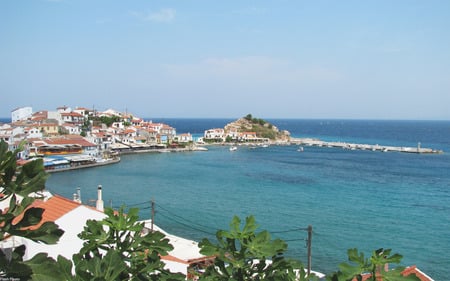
(372, 147)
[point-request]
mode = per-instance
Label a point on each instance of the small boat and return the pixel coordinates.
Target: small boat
(233, 148)
(300, 149)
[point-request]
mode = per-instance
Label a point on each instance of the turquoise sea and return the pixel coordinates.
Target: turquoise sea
(361, 199)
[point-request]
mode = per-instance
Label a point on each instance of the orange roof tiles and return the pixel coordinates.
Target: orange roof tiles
(407, 271)
(69, 140)
(54, 208)
(414, 270)
(73, 114)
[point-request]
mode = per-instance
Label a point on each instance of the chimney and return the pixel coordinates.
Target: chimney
(99, 203)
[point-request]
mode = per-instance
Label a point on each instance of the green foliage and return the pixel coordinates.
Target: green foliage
(216, 140)
(264, 132)
(117, 246)
(262, 128)
(244, 254)
(44, 268)
(108, 121)
(258, 121)
(17, 183)
(373, 266)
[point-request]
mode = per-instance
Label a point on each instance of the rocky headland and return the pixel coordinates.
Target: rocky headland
(260, 127)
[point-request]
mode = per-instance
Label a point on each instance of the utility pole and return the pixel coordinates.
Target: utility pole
(153, 213)
(309, 241)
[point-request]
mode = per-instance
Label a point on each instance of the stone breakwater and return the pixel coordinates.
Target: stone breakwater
(356, 146)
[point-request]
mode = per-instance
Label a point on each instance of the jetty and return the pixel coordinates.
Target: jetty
(372, 147)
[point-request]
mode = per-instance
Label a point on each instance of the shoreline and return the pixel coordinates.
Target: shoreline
(96, 164)
(159, 150)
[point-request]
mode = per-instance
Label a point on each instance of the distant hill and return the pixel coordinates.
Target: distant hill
(262, 128)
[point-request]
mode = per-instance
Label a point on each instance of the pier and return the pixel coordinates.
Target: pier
(371, 147)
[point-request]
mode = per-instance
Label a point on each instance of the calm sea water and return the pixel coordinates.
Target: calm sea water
(360, 199)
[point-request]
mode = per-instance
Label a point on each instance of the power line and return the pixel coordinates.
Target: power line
(290, 230)
(138, 204)
(180, 217)
(188, 225)
(294, 240)
(198, 227)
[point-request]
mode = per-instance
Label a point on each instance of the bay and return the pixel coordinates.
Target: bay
(360, 199)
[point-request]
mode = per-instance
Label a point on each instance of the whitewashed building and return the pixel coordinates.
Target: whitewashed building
(21, 113)
(217, 134)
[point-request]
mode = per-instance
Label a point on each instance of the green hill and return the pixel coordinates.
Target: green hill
(262, 128)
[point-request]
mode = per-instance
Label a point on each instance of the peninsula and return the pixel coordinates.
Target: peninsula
(247, 130)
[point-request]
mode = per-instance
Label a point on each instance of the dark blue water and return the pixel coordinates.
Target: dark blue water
(5, 120)
(360, 199)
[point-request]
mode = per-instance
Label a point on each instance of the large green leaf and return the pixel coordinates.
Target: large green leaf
(372, 267)
(31, 178)
(108, 268)
(32, 216)
(121, 233)
(243, 254)
(65, 268)
(44, 268)
(13, 265)
(47, 233)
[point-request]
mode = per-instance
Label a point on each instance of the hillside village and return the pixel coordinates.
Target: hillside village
(103, 129)
(72, 138)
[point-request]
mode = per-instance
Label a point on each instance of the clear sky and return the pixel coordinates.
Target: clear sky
(361, 59)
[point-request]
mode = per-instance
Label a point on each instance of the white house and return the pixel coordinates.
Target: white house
(217, 133)
(71, 216)
(118, 125)
(6, 132)
(72, 117)
(63, 109)
(232, 133)
(56, 116)
(86, 112)
(183, 138)
(21, 113)
(109, 113)
(72, 129)
(33, 132)
(185, 256)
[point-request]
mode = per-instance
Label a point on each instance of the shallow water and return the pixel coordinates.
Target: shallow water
(360, 199)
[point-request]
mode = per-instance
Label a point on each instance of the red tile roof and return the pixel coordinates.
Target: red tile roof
(74, 114)
(408, 271)
(414, 270)
(70, 140)
(54, 208)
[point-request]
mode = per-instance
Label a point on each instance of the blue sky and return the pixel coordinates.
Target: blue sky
(273, 59)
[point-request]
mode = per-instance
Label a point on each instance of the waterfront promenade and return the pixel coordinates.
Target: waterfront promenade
(356, 146)
(63, 168)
